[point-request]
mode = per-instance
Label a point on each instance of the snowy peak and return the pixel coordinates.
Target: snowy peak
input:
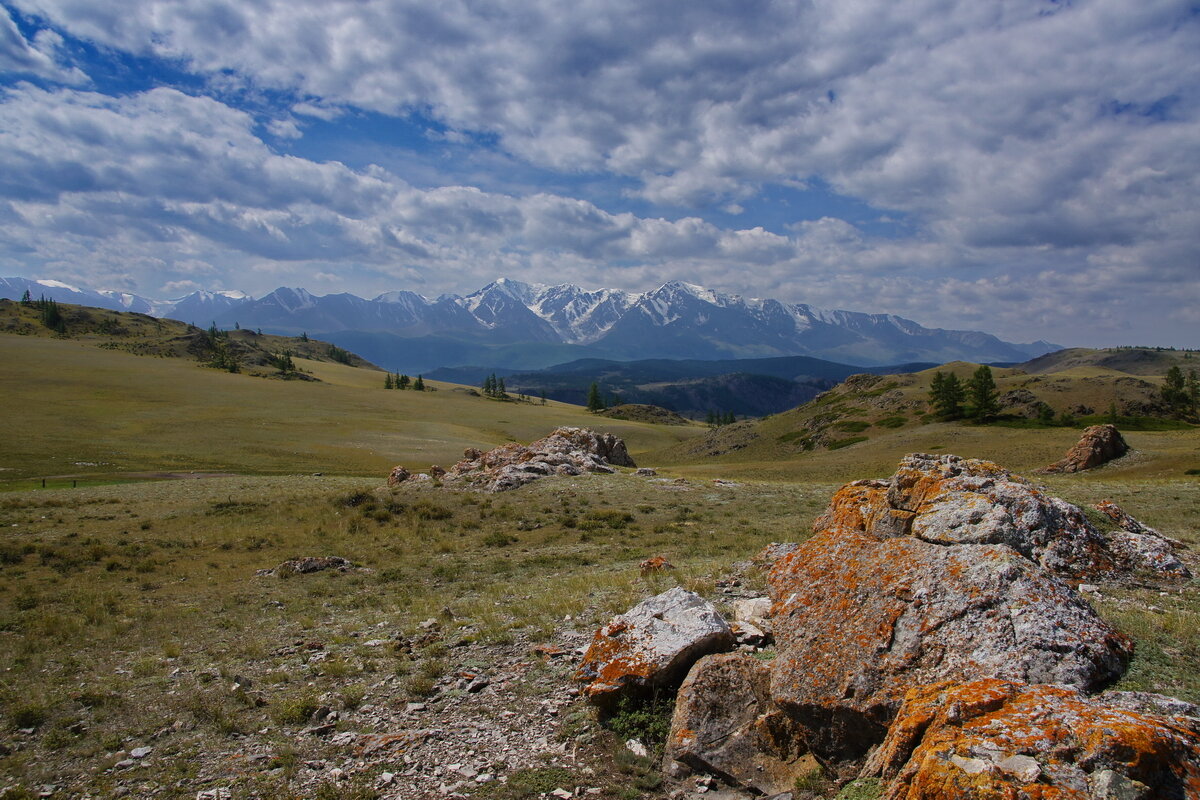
(676, 320)
(580, 316)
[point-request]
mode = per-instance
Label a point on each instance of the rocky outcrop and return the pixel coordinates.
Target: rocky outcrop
(726, 724)
(940, 595)
(309, 564)
(994, 738)
(1142, 545)
(1098, 445)
(859, 620)
(398, 476)
(566, 451)
(651, 646)
(947, 500)
(948, 570)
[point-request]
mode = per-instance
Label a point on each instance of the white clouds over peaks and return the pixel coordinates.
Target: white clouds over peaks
(183, 176)
(1050, 144)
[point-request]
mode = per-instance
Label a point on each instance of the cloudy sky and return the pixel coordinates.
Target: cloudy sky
(1026, 167)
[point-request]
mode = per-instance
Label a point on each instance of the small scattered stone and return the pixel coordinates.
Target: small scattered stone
(140, 752)
(636, 747)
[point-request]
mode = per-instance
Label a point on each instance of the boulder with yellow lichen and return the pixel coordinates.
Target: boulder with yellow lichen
(1001, 739)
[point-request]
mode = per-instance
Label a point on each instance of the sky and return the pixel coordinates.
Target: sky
(1029, 168)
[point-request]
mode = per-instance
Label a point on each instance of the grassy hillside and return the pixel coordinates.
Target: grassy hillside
(75, 408)
(862, 427)
(1130, 360)
(252, 352)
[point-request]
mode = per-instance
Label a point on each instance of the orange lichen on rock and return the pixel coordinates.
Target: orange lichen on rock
(993, 738)
(651, 646)
(655, 564)
(859, 620)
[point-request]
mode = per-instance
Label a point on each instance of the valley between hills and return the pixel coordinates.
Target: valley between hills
(159, 639)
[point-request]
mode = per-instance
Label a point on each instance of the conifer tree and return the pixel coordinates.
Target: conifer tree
(500, 390)
(403, 381)
(1174, 390)
(387, 382)
(419, 384)
(946, 395)
(594, 403)
(981, 390)
(26, 300)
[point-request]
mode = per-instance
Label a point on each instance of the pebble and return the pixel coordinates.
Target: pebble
(141, 752)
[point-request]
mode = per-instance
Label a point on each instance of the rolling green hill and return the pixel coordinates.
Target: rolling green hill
(84, 404)
(863, 425)
(240, 349)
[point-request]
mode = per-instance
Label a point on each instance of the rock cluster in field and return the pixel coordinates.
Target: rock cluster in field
(566, 451)
(926, 635)
(309, 564)
(1098, 445)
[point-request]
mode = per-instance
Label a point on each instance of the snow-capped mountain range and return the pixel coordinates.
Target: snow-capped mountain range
(676, 320)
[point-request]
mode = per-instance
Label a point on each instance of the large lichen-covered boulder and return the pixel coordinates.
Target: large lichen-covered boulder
(1000, 739)
(725, 724)
(859, 619)
(652, 646)
(948, 500)
(1098, 445)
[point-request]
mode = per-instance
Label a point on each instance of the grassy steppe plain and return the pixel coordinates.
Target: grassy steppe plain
(68, 406)
(126, 611)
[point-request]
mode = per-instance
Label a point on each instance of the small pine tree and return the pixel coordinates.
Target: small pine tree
(1174, 390)
(403, 381)
(711, 419)
(387, 382)
(500, 390)
(594, 403)
(26, 300)
(304, 336)
(543, 397)
(419, 384)
(981, 390)
(946, 395)
(730, 418)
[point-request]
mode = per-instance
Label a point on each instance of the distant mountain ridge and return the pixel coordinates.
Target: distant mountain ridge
(747, 387)
(677, 320)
